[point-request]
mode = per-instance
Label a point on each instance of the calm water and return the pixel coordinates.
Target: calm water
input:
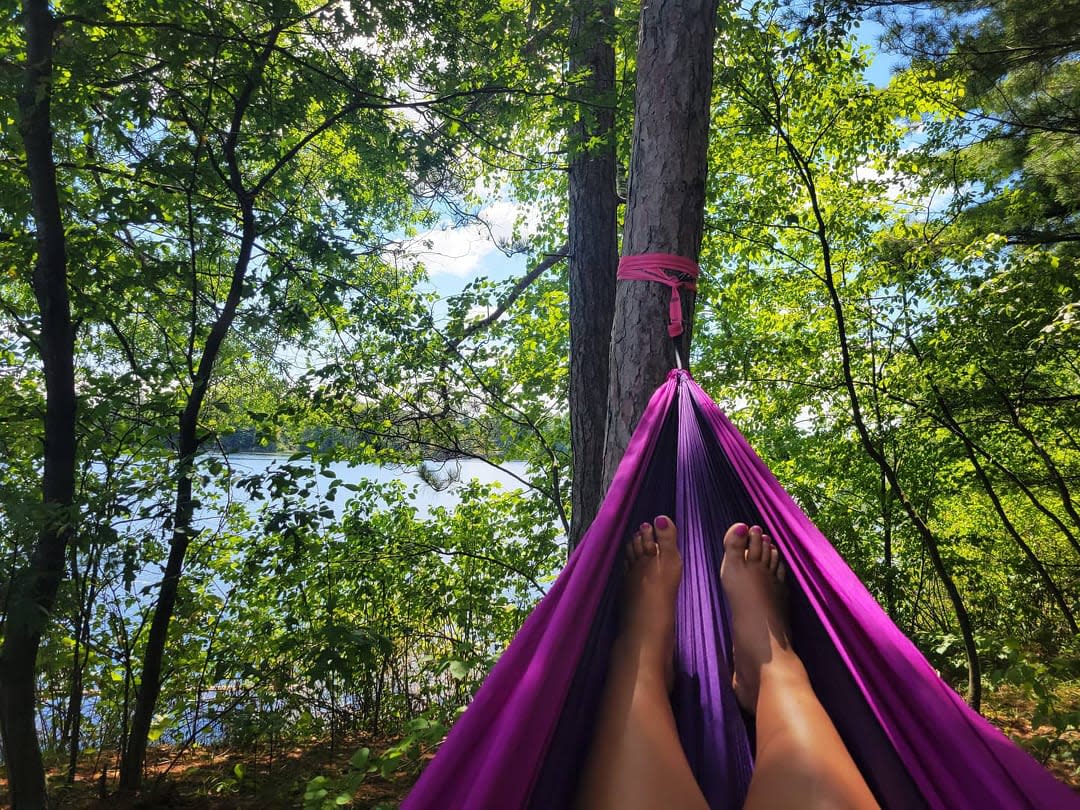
(462, 471)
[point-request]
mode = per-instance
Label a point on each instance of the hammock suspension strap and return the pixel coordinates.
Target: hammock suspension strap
(676, 272)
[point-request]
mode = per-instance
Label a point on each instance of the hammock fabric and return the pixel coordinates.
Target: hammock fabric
(524, 738)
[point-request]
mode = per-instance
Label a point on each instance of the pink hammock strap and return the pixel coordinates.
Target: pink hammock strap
(677, 272)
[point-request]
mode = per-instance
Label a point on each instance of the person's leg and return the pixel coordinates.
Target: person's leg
(800, 762)
(636, 761)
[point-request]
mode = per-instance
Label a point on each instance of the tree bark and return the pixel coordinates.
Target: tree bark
(35, 586)
(666, 202)
(593, 252)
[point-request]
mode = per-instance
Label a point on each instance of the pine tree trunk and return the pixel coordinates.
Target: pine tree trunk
(666, 202)
(35, 586)
(594, 251)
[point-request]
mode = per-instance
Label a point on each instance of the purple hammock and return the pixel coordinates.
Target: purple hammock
(523, 739)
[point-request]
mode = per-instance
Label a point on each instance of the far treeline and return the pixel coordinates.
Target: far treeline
(211, 228)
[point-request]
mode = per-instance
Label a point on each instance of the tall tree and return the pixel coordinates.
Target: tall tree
(665, 202)
(280, 98)
(903, 355)
(35, 587)
(594, 250)
(1018, 119)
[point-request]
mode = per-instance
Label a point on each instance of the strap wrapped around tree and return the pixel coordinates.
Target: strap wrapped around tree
(522, 742)
(676, 272)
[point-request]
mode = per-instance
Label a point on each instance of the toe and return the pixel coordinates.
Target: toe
(648, 538)
(753, 551)
(636, 549)
(769, 554)
(665, 533)
(735, 540)
(781, 572)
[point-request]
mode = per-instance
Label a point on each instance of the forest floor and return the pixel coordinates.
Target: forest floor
(207, 777)
(1011, 711)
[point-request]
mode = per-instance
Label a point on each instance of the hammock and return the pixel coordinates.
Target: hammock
(522, 741)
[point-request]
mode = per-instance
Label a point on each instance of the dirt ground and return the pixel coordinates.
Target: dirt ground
(1011, 712)
(207, 778)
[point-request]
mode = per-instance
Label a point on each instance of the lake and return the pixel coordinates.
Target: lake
(460, 470)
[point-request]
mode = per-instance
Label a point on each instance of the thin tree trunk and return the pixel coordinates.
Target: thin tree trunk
(984, 479)
(131, 765)
(88, 592)
(1060, 484)
(79, 659)
(930, 542)
(594, 251)
(1016, 481)
(34, 587)
(984, 454)
(1055, 592)
(885, 499)
(666, 202)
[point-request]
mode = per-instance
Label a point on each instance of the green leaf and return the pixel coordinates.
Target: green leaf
(359, 760)
(458, 670)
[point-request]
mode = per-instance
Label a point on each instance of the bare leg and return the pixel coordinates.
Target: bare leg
(636, 761)
(801, 762)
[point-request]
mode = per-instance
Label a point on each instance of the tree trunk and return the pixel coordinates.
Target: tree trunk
(131, 765)
(665, 208)
(34, 588)
(134, 756)
(593, 251)
(1060, 484)
(146, 696)
(984, 479)
(877, 453)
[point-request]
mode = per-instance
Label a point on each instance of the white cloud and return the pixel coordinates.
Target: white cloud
(452, 251)
(460, 250)
(891, 181)
(501, 217)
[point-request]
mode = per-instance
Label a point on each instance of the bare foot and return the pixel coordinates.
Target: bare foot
(753, 575)
(636, 759)
(654, 570)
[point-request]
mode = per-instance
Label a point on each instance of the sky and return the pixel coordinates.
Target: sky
(454, 256)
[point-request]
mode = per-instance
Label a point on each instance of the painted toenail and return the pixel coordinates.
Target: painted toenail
(741, 529)
(644, 526)
(662, 522)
